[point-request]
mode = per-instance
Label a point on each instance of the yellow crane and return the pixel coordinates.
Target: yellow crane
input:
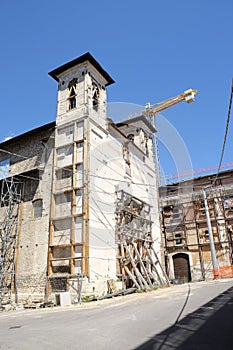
(152, 109)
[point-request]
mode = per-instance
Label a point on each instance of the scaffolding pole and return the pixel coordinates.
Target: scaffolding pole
(9, 211)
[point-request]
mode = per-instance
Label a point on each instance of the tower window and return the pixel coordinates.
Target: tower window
(72, 88)
(72, 102)
(95, 96)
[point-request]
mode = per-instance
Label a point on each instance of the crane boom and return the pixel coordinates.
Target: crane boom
(150, 112)
(188, 96)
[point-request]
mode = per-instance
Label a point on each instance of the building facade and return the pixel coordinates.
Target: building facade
(185, 229)
(79, 197)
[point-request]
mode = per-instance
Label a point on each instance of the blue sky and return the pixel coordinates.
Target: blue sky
(153, 49)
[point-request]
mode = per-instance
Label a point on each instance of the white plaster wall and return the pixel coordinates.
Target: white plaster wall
(107, 174)
(102, 251)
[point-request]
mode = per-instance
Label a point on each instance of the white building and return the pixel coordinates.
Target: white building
(96, 192)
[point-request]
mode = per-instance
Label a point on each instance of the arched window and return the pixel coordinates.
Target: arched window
(131, 137)
(72, 88)
(95, 96)
(37, 208)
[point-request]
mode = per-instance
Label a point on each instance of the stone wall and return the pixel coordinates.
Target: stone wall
(31, 162)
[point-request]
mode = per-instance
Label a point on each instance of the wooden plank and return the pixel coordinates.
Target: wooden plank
(68, 258)
(132, 277)
(72, 249)
(155, 268)
(73, 208)
(142, 265)
(137, 272)
(163, 271)
(153, 276)
(121, 261)
(86, 204)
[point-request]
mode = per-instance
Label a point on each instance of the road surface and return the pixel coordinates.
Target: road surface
(190, 316)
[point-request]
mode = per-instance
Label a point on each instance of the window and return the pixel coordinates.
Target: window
(178, 238)
(80, 144)
(72, 94)
(126, 157)
(127, 169)
(65, 173)
(176, 213)
(37, 208)
(95, 96)
(131, 137)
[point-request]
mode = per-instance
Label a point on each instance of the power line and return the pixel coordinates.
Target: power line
(225, 135)
(83, 172)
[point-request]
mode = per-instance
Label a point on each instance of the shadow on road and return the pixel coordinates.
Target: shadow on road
(209, 327)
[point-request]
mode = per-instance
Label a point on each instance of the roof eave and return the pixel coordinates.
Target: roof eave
(85, 57)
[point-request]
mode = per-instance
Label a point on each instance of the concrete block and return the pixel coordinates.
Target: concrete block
(63, 299)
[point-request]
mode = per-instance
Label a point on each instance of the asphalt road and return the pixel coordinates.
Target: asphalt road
(191, 316)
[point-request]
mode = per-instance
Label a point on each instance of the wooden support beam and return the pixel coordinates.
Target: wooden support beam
(86, 204)
(137, 272)
(142, 265)
(72, 248)
(154, 266)
(67, 258)
(161, 267)
(121, 261)
(132, 277)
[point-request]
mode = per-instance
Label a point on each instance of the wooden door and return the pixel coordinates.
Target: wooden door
(182, 267)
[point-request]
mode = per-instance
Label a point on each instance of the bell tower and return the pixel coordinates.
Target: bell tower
(81, 107)
(81, 90)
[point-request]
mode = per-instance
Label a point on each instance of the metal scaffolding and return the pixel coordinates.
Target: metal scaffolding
(9, 214)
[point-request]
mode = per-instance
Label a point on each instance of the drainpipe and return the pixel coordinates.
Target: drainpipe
(212, 246)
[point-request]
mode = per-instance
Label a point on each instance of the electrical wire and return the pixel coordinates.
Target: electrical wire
(68, 169)
(225, 135)
(83, 172)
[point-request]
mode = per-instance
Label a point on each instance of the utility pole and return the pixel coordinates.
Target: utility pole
(211, 238)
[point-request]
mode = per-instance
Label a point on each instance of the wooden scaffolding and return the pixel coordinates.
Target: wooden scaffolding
(185, 227)
(138, 264)
(69, 222)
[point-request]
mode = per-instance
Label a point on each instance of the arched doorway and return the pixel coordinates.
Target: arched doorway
(182, 267)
